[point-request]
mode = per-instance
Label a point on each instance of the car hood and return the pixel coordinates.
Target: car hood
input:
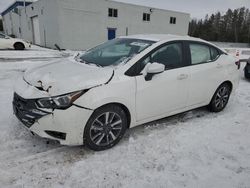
(65, 76)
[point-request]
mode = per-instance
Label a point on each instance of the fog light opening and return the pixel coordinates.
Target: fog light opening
(58, 135)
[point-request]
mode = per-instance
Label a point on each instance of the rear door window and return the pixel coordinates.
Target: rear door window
(202, 53)
(214, 53)
(199, 53)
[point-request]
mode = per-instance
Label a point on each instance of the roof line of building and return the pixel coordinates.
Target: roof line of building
(145, 6)
(28, 2)
(15, 4)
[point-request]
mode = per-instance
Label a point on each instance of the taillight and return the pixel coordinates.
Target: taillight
(238, 64)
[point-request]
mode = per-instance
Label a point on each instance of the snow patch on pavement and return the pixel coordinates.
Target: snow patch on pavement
(34, 52)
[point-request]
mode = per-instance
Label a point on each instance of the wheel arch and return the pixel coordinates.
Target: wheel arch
(126, 110)
(225, 82)
(19, 42)
(229, 83)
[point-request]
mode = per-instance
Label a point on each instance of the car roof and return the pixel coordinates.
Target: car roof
(168, 37)
(162, 37)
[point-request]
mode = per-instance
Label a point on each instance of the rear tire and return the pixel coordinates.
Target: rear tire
(19, 46)
(105, 128)
(220, 98)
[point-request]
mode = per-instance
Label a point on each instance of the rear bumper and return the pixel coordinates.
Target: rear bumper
(66, 126)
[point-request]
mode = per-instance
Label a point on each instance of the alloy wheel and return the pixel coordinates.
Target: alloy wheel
(106, 128)
(222, 97)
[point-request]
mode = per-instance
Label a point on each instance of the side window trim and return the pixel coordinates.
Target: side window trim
(218, 51)
(133, 72)
(205, 44)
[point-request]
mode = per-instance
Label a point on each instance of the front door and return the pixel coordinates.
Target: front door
(111, 33)
(166, 92)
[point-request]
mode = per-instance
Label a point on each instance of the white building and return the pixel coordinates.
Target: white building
(80, 24)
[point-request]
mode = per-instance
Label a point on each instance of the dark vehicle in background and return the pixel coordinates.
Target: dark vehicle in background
(247, 69)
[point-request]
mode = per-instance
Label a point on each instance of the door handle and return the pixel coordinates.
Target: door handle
(182, 77)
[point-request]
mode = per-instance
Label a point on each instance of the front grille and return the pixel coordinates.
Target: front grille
(26, 110)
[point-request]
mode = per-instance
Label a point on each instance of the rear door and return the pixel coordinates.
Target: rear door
(206, 72)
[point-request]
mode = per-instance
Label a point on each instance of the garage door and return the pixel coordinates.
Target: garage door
(36, 30)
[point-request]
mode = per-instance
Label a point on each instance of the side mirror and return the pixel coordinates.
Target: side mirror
(153, 69)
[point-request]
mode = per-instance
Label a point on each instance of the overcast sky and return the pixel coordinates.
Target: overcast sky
(197, 8)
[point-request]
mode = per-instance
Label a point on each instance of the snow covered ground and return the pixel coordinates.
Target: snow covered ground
(193, 149)
(34, 53)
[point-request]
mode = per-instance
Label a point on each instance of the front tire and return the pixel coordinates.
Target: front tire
(19, 46)
(105, 128)
(220, 98)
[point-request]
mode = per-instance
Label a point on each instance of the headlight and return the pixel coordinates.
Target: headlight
(60, 102)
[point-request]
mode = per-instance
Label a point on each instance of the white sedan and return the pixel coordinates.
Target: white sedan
(7, 42)
(96, 96)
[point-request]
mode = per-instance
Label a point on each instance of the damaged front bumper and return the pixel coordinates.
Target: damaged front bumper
(65, 126)
(26, 110)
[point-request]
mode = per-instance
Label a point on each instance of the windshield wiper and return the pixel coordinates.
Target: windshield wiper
(89, 63)
(124, 60)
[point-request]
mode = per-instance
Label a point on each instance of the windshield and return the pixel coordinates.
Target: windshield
(115, 51)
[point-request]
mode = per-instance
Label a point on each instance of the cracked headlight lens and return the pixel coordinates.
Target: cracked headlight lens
(59, 102)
